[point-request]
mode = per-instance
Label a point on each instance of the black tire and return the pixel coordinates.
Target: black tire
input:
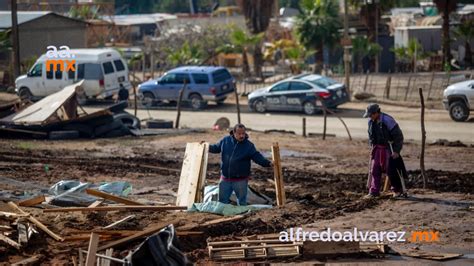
(25, 94)
(309, 108)
(128, 120)
(259, 106)
(121, 131)
(84, 130)
(148, 99)
(64, 134)
(104, 129)
(99, 121)
(158, 123)
(458, 111)
(196, 102)
(118, 107)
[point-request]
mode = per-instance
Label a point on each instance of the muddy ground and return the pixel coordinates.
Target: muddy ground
(324, 180)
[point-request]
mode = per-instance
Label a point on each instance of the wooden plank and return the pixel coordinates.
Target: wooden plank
(331, 247)
(111, 197)
(33, 220)
(202, 174)
(33, 201)
(130, 217)
(222, 220)
(429, 255)
(92, 250)
(29, 261)
(278, 175)
(39, 112)
(95, 204)
(151, 230)
(11, 215)
(190, 174)
(9, 241)
(117, 208)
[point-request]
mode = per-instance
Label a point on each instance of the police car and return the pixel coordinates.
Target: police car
(299, 93)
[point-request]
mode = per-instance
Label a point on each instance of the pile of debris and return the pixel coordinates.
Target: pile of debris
(60, 116)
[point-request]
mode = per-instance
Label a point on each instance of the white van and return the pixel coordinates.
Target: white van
(103, 71)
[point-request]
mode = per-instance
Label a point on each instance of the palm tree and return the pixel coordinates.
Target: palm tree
(445, 7)
(465, 32)
(257, 18)
(244, 42)
(317, 26)
(362, 47)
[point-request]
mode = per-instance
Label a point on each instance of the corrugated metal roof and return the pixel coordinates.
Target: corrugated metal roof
(139, 19)
(23, 16)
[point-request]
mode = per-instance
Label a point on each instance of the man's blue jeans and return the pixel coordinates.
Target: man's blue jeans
(239, 187)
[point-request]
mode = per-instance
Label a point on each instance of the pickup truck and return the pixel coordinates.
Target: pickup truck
(458, 99)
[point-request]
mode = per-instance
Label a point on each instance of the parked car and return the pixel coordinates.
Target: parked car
(458, 99)
(204, 83)
(103, 71)
(299, 93)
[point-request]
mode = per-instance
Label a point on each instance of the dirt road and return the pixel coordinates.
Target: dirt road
(438, 123)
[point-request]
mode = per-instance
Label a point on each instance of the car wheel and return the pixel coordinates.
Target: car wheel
(196, 102)
(259, 106)
(309, 108)
(148, 99)
(458, 111)
(25, 94)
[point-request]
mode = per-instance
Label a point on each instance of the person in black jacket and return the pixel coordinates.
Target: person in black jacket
(386, 141)
(236, 153)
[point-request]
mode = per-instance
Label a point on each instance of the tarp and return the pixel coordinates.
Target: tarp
(225, 209)
(72, 192)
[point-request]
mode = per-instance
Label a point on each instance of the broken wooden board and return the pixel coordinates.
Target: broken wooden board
(130, 217)
(193, 174)
(252, 249)
(9, 241)
(29, 261)
(92, 250)
(278, 175)
(33, 220)
(149, 231)
(117, 208)
(33, 201)
(111, 197)
(40, 112)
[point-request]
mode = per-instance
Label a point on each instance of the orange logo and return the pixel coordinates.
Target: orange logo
(424, 236)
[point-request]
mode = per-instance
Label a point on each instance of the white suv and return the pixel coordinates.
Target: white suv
(458, 99)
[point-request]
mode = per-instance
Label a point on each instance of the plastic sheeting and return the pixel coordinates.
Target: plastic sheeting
(225, 209)
(72, 192)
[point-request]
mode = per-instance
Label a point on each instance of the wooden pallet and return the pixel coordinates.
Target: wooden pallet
(253, 249)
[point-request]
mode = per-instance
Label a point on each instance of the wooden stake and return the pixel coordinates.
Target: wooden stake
(388, 85)
(386, 186)
(111, 197)
(366, 80)
(237, 103)
(33, 220)
(278, 175)
(178, 107)
(408, 87)
(304, 127)
(423, 137)
(92, 250)
(431, 84)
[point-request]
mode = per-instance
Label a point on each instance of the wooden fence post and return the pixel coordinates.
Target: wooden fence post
(423, 138)
(178, 107)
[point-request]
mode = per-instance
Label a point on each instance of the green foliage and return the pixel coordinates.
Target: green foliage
(172, 6)
(186, 55)
(5, 43)
(465, 31)
(84, 12)
(242, 39)
(362, 47)
(318, 23)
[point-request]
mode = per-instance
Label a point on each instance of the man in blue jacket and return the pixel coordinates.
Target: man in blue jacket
(236, 152)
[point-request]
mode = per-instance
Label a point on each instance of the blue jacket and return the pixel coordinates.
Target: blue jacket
(236, 156)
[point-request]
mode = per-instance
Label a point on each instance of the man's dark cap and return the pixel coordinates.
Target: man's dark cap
(372, 109)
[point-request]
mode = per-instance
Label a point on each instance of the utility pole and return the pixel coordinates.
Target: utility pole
(347, 55)
(16, 41)
(377, 34)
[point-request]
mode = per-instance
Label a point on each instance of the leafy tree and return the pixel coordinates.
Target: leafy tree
(362, 47)
(317, 26)
(186, 55)
(257, 15)
(445, 7)
(243, 42)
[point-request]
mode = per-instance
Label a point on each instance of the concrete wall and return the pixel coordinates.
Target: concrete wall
(51, 29)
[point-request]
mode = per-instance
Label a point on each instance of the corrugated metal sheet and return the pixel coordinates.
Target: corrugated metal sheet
(23, 16)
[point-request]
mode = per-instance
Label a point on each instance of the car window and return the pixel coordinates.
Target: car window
(70, 73)
(201, 78)
(182, 77)
(119, 65)
(280, 87)
(36, 71)
(89, 71)
(323, 82)
(108, 68)
(54, 71)
(168, 78)
(299, 86)
(221, 75)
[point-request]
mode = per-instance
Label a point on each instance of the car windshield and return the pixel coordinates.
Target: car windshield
(322, 82)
